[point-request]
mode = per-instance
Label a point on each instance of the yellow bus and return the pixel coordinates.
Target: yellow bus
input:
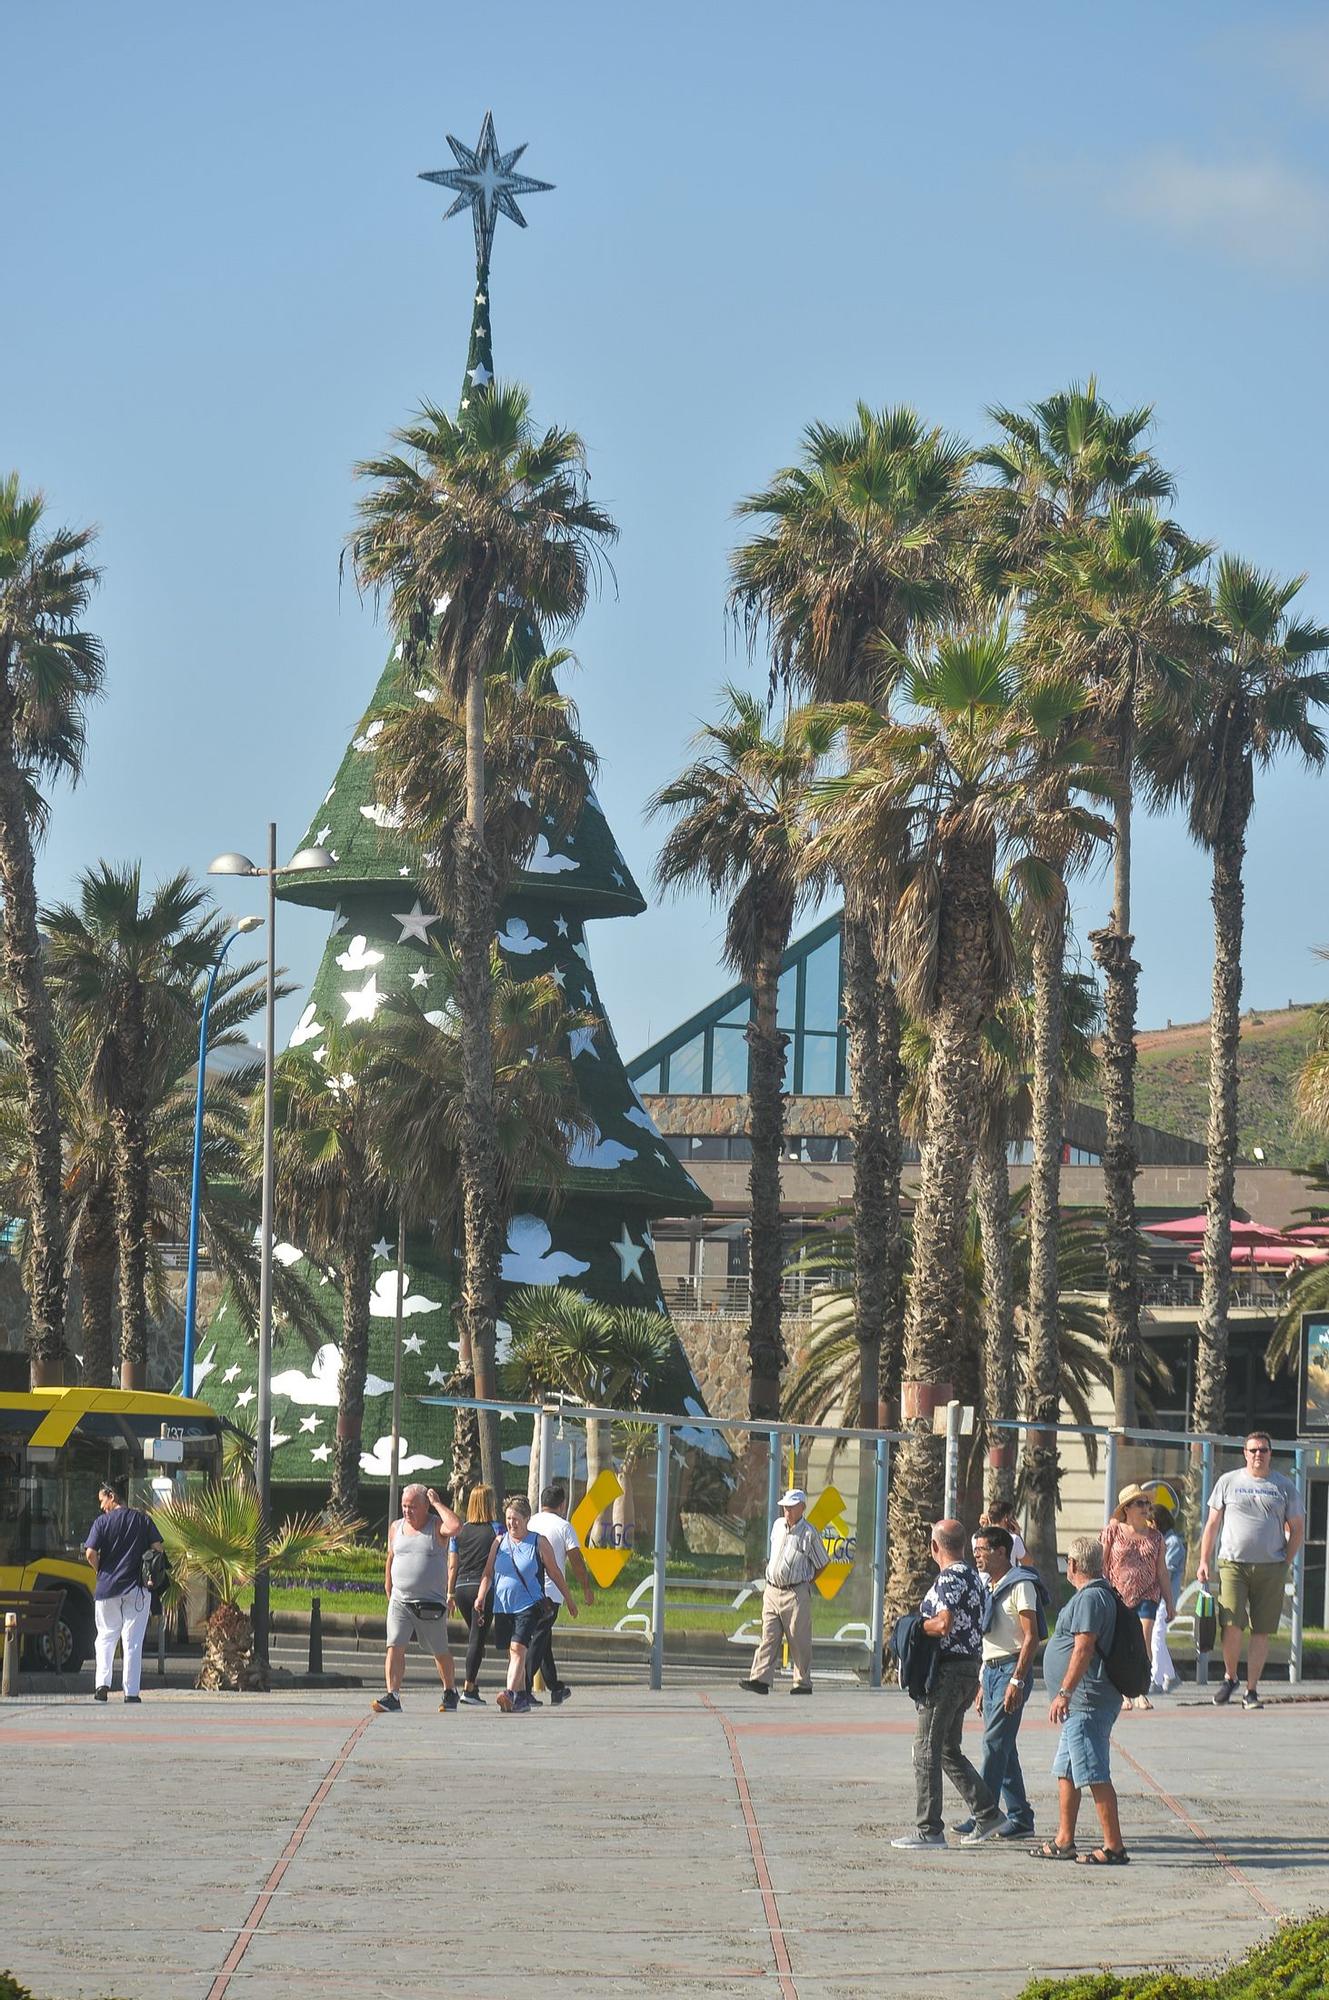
(56, 1448)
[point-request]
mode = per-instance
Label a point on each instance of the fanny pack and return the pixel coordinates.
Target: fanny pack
(425, 1610)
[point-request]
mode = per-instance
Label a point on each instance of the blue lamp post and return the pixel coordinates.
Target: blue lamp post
(245, 925)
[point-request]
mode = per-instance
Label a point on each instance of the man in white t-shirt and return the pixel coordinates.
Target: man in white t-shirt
(552, 1522)
(1010, 1641)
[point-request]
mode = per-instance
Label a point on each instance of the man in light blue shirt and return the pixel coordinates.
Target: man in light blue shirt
(1085, 1704)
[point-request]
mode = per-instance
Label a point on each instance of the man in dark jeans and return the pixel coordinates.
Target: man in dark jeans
(953, 1615)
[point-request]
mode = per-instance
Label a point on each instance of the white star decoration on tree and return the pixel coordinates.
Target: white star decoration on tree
(309, 1423)
(581, 1042)
(419, 977)
(629, 1256)
(382, 1248)
(321, 1453)
(414, 923)
(480, 377)
(229, 1374)
(412, 1344)
(438, 1376)
(484, 182)
(245, 1396)
(364, 1004)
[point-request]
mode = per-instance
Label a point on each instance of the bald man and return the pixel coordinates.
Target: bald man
(952, 1614)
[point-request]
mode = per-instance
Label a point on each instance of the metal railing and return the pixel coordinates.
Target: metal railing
(725, 1297)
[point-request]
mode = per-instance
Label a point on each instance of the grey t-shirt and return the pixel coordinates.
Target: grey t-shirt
(1255, 1507)
(1090, 1610)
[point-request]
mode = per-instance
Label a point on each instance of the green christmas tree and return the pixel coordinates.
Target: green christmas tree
(597, 1239)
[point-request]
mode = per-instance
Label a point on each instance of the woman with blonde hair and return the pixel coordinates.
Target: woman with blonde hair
(467, 1555)
(515, 1578)
(1135, 1564)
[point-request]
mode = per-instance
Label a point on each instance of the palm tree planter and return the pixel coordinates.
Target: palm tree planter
(215, 1537)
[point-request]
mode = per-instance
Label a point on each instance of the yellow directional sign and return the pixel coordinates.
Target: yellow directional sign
(827, 1516)
(605, 1565)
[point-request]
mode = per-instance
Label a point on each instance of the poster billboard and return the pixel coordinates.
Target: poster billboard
(1314, 1372)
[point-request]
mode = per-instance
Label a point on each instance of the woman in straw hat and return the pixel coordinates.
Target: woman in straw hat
(1135, 1563)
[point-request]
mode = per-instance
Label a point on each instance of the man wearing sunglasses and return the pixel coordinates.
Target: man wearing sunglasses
(1257, 1521)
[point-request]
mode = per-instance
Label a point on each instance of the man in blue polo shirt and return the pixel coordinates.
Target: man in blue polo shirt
(117, 1542)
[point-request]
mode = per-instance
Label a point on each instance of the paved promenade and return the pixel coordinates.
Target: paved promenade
(696, 1842)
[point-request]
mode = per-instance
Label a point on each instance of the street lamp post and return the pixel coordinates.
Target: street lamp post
(242, 929)
(240, 864)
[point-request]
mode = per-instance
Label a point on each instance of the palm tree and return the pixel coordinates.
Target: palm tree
(127, 970)
(1117, 607)
(956, 791)
(1055, 469)
(50, 668)
(214, 1535)
(859, 554)
(476, 530)
(741, 831)
(1254, 699)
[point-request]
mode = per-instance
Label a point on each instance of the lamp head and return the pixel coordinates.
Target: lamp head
(243, 925)
(232, 864)
(309, 858)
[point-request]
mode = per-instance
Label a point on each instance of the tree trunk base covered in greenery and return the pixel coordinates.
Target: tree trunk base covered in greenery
(229, 1665)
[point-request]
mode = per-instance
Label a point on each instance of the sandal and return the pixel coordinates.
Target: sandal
(1048, 1850)
(1104, 1857)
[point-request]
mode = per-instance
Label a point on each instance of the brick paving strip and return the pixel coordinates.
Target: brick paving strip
(788, 1990)
(1179, 1811)
(265, 1895)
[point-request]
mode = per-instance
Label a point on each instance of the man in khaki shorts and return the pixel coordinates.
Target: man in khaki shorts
(1257, 1521)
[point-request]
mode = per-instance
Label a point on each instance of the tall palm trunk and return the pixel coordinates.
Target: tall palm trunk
(890, 1147)
(868, 1116)
(1040, 1479)
(357, 1254)
(992, 1198)
(34, 1034)
(95, 1252)
(129, 1133)
(477, 1151)
(964, 998)
(1112, 950)
(1228, 898)
(766, 1076)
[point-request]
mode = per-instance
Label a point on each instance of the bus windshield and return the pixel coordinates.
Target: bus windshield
(48, 1498)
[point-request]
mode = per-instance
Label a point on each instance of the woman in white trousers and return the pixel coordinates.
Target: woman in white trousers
(122, 1621)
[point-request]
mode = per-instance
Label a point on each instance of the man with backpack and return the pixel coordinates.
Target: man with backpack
(1013, 1625)
(1093, 1660)
(120, 1541)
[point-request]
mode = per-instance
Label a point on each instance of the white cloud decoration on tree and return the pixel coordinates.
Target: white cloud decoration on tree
(598, 1152)
(545, 862)
(518, 938)
(319, 1386)
(531, 1259)
(307, 1029)
(357, 956)
(381, 815)
(383, 1298)
(377, 1464)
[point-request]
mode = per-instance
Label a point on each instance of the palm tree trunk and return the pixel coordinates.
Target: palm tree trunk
(1041, 1475)
(96, 1255)
(357, 1258)
(1228, 899)
(867, 1113)
(992, 1196)
(129, 1132)
(965, 981)
(477, 1146)
(1112, 950)
(890, 1148)
(20, 945)
(766, 1076)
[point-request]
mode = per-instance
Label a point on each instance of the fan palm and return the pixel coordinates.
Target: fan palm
(214, 1535)
(1117, 607)
(740, 830)
(50, 669)
(956, 791)
(1054, 469)
(127, 968)
(860, 550)
(476, 529)
(1255, 696)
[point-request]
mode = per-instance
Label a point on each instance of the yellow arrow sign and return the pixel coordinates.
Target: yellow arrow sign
(605, 1565)
(827, 1516)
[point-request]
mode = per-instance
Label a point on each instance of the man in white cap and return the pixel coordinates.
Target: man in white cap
(797, 1553)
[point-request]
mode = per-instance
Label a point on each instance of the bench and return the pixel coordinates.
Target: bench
(24, 1615)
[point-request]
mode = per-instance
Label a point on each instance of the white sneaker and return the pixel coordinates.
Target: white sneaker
(983, 1831)
(920, 1840)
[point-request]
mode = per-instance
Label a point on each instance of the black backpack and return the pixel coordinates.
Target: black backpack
(155, 1575)
(1126, 1657)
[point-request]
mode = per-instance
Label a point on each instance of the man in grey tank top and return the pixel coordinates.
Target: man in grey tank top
(415, 1582)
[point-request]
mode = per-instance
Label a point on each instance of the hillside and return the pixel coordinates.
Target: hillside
(1172, 1083)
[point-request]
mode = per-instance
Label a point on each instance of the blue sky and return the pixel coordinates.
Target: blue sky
(223, 283)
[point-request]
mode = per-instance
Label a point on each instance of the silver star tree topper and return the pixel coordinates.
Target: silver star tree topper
(486, 184)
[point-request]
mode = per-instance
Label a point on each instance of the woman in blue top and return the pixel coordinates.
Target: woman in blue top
(515, 1572)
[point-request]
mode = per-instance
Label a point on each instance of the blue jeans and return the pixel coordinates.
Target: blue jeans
(1001, 1759)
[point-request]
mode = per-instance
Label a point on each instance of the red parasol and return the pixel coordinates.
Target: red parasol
(1191, 1228)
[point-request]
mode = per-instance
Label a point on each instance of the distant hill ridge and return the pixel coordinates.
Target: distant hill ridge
(1172, 1082)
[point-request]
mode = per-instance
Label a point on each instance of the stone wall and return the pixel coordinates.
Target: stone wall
(166, 1334)
(716, 1346)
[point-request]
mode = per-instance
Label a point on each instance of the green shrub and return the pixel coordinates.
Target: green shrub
(1291, 1965)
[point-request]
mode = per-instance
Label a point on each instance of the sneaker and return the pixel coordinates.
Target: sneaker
(756, 1687)
(986, 1829)
(522, 1704)
(962, 1826)
(100, 1694)
(505, 1702)
(801, 1687)
(1011, 1829)
(920, 1840)
(1251, 1699)
(137, 1700)
(1224, 1692)
(530, 1700)
(560, 1694)
(471, 1698)
(387, 1704)
(449, 1701)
